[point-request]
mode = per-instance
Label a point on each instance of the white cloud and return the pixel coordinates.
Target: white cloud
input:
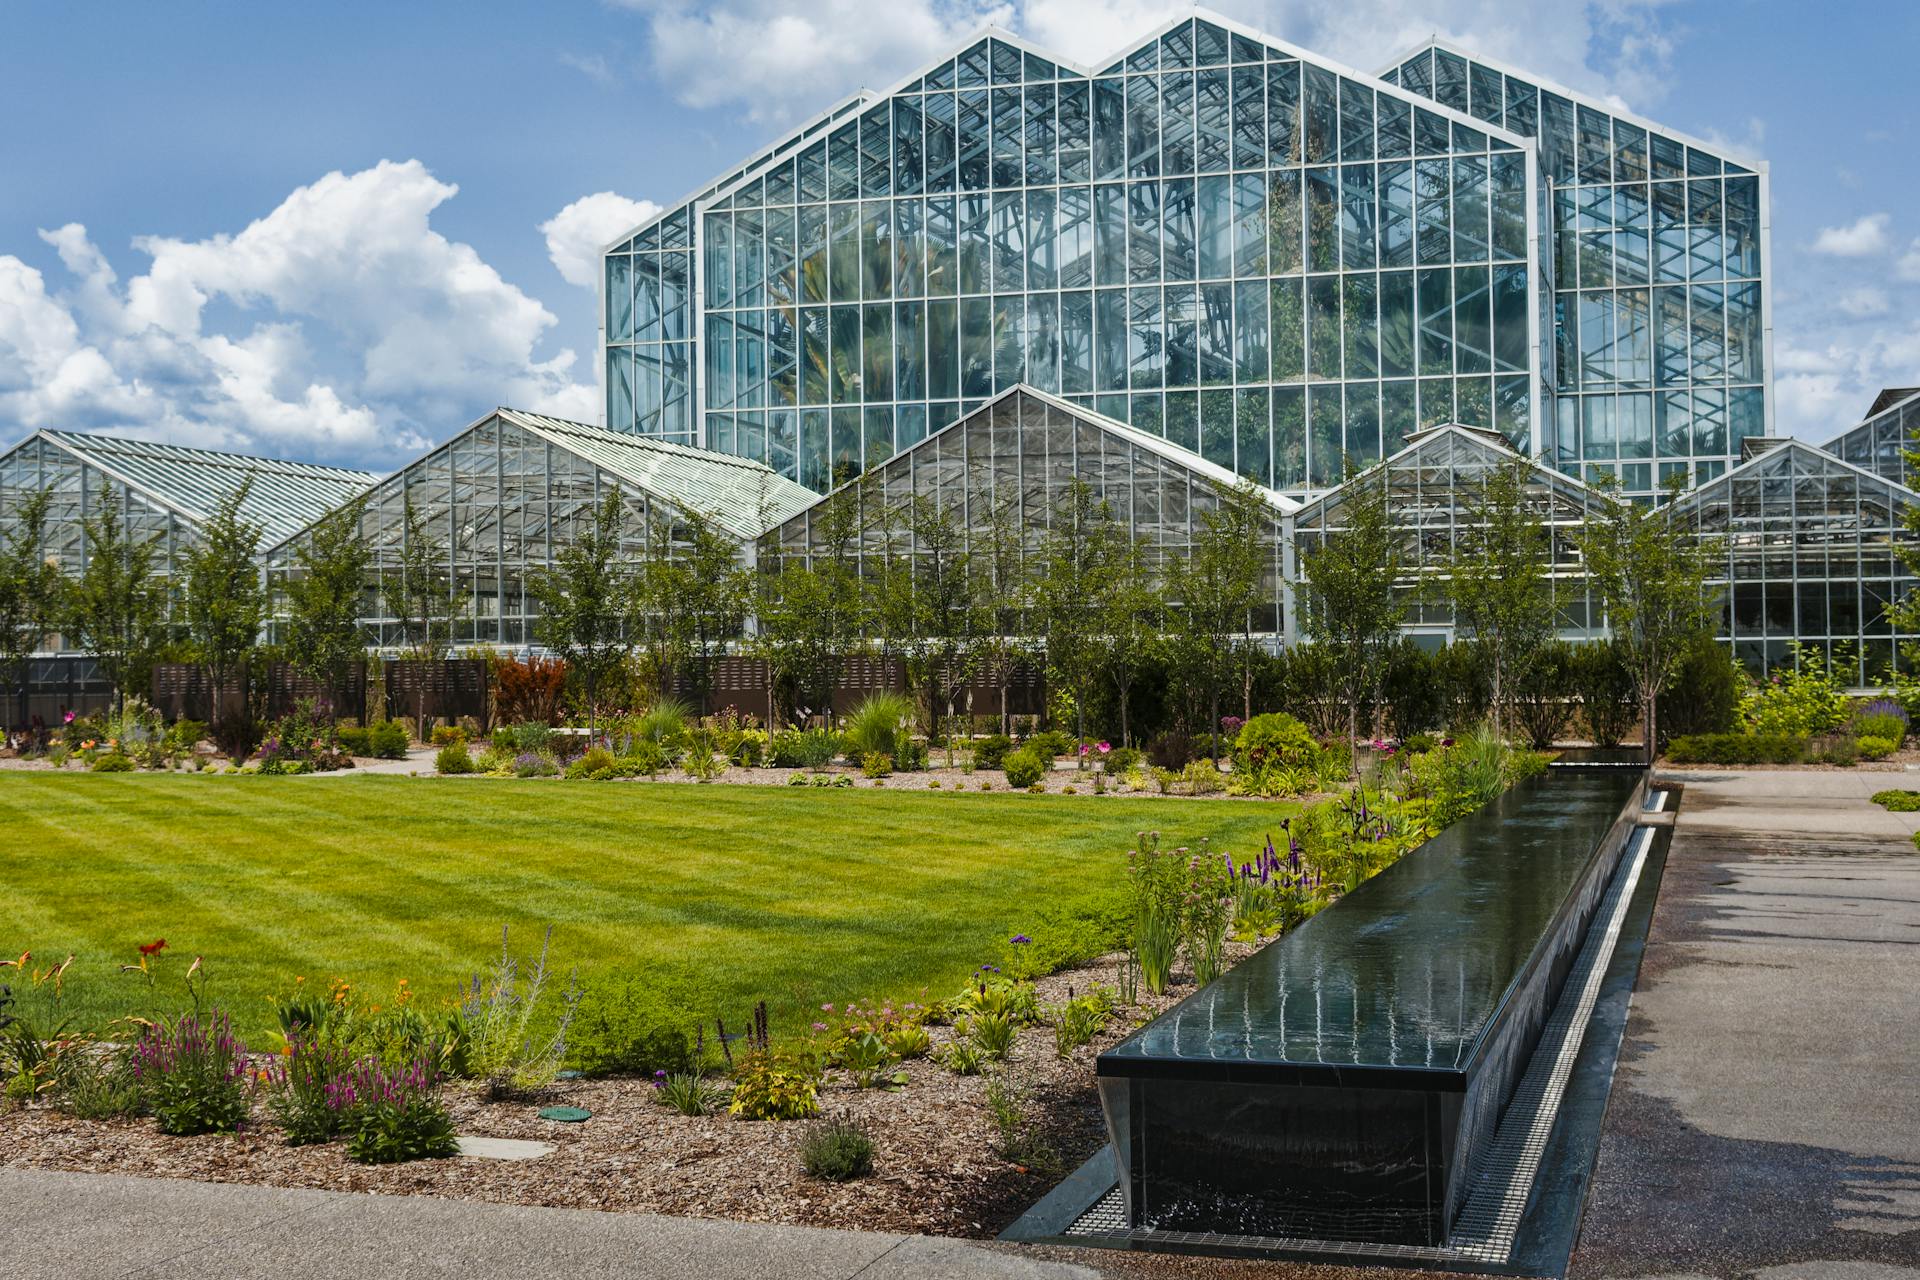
(779, 62)
(1860, 239)
(1864, 302)
(577, 233)
(1908, 268)
(594, 66)
(348, 328)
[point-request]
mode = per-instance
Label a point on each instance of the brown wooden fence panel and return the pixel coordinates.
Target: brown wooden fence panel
(446, 689)
(184, 691)
(288, 686)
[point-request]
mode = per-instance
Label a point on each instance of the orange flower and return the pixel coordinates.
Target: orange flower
(153, 948)
(21, 963)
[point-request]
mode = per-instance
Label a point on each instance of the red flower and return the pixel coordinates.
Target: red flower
(153, 948)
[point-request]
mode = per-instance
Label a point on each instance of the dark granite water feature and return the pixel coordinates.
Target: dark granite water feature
(1344, 1081)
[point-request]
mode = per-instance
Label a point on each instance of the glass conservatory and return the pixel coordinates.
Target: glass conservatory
(1880, 443)
(1804, 550)
(1431, 489)
(503, 496)
(1009, 464)
(165, 492)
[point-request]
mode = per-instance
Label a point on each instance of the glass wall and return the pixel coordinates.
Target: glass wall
(1228, 245)
(1659, 342)
(1431, 488)
(1010, 463)
(509, 492)
(1804, 547)
(1880, 443)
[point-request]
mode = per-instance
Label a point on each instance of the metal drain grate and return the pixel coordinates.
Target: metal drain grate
(1491, 1218)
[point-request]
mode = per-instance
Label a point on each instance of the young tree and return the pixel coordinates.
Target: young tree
(325, 599)
(926, 604)
(419, 591)
(1497, 577)
(225, 604)
(1131, 623)
(30, 591)
(1650, 574)
(1070, 577)
(1352, 607)
(1001, 584)
(693, 595)
(812, 611)
(117, 608)
(1218, 587)
(587, 602)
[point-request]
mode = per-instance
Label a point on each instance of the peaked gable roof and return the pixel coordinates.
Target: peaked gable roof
(284, 497)
(1452, 444)
(1789, 459)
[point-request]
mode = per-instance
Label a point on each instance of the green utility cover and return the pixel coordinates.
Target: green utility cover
(569, 1115)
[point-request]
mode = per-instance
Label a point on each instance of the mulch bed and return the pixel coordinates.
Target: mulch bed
(935, 1169)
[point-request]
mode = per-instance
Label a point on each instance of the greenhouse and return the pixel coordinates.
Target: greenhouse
(1432, 486)
(1880, 443)
(1008, 466)
(501, 498)
(1804, 548)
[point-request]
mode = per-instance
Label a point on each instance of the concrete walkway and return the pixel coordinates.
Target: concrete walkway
(1765, 1118)
(76, 1226)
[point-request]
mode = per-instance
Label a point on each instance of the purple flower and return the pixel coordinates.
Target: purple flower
(1021, 940)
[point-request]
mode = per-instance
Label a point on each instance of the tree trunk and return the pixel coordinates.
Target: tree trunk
(1353, 732)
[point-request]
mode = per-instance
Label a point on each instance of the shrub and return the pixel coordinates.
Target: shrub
(1704, 694)
(963, 1058)
(1050, 745)
(597, 760)
(1805, 699)
(534, 764)
(878, 725)
(397, 1116)
(909, 1040)
(192, 1074)
(1123, 760)
(503, 1047)
(991, 752)
(388, 740)
(524, 737)
(770, 1086)
(1737, 748)
(837, 1150)
(1202, 778)
(1873, 748)
(1837, 749)
(306, 1090)
(453, 758)
(1414, 697)
(1605, 687)
(100, 1086)
(1461, 673)
(631, 1029)
(530, 690)
(1542, 695)
(1268, 749)
(701, 764)
(665, 723)
(1897, 801)
(688, 1092)
(1170, 749)
(112, 762)
(1024, 768)
(805, 749)
(355, 741)
(444, 734)
(1880, 725)
(750, 750)
(876, 764)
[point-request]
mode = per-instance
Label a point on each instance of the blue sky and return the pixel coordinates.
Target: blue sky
(342, 231)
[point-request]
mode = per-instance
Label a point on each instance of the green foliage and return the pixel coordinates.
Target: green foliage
(112, 762)
(1352, 607)
(100, 1085)
(865, 1055)
(453, 758)
(387, 740)
(414, 1127)
(1273, 754)
(1541, 695)
(192, 1074)
(1158, 881)
(1875, 748)
(665, 724)
(837, 1150)
(419, 590)
(1890, 727)
(1220, 584)
(1737, 748)
(1412, 692)
(1803, 700)
(594, 761)
(1703, 695)
(117, 607)
(992, 751)
(32, 588)
(992, 1033)
(1497, 575)
(1049, 745)
(1461, 672)
(224, 601)
(630, 1028)
(690, 1093)
(1024, 768)
(876, 764)
(691, 597)
(507, 1044)
(1604, 681)
(1017, 1141)
(769, 1085)
(1898, 801)
(963, 1058)
(1079, 1020)
(587, 601)
(909, 1040)
(805, 749)
(324, 595)
(304, 1090)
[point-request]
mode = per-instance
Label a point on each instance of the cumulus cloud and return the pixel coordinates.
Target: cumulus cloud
(1908, 268)
(577, 233)
(347, 328)
(1859, 239)
(777, 61)
(1864, 302)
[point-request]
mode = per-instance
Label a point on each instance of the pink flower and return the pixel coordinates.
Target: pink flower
(819, 1026)
(826, 1008)
(1105, 747)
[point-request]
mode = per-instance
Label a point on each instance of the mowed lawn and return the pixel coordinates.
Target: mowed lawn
(721, 894)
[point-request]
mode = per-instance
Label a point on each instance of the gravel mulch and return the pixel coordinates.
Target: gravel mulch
(935, 1168)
